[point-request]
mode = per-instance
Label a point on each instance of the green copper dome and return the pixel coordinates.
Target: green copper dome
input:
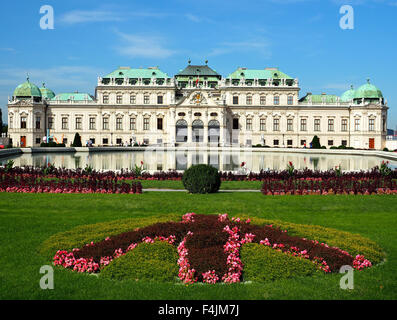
(46, 93)
(27, 90)
(368, 91)
(348, 95)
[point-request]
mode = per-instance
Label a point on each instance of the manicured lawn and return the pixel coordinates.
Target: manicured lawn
(26, 220)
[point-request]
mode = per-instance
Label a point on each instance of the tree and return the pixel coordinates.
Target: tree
(77, 140)
(316, 143)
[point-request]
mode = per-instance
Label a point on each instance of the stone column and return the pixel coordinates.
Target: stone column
(222, 137)
(205, 138)
(171, 127)
(189, 127)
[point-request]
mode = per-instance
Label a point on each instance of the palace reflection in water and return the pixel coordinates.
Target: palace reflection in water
(181, 160)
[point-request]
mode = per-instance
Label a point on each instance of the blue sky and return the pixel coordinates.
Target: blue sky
(301, 37)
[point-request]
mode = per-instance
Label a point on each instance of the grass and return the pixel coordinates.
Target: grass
(27, 220)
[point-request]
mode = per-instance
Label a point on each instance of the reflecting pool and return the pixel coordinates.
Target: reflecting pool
(180, 160)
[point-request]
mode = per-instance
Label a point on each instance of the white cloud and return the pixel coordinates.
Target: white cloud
(104, 15)
(192, 17)
(8, 49)
(65, 78)
(146, 46)
(260, 45)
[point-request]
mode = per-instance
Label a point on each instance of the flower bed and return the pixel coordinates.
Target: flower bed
(62, 173)
(330, 185)
(209, 248)
(16, 181)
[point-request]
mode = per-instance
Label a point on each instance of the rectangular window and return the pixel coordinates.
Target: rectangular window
(356, 124)
(303, 124)
(119, 123)
(262, 125)
(290, 100)
(146, 141)
(276, 125)
(262, 100)
(105, 123)
(275, 143)
(11, 124)
(344, 143)
(344, 125)
(276, 100)
(249, 100)
(38, 140)
(132, 124)
(159, 123)
(290, 126)
(50, 123)
(38, 122)
(159, 99)
(303, 142)
(235, 124)
(371, 125)
(146, 99)
(330, 142)
(23, 122)
(316, 124)
(119, 141)
(105, 141)
(384, 125)
(119, 99)
(78, 123)
(105, 99)
(65, 141)
(235, 99)
(64, 123)
(132, 99)
(249, 124)
(146, 123)
(289, 143)
(330, 124)
(92, 123)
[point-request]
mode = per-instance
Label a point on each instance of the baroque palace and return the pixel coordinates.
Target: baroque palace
(198, 107)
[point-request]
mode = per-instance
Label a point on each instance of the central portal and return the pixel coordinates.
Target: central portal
(198, 131)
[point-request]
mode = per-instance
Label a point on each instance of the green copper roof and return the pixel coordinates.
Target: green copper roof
(268, 73)
(46, 93)
(368, 90)
(127, 72)
(27, 89)
(195, 70)
(348, 95)
(76, 96)
(320, 98)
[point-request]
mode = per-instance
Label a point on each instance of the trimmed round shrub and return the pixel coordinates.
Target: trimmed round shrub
(201, 178)
(148, 261)
(262, 264)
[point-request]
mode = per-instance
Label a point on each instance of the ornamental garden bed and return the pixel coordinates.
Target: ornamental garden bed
(208, 249)
(138, 174)
(19, 181)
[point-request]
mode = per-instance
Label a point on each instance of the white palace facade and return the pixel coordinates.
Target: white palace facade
(198, 107)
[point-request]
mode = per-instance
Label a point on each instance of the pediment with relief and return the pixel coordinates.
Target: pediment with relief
(198, 98)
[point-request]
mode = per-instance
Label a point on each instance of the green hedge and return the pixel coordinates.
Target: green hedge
(350, 242)
(201, 178)
(81, 235)
(148, 261)
(262, 264)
